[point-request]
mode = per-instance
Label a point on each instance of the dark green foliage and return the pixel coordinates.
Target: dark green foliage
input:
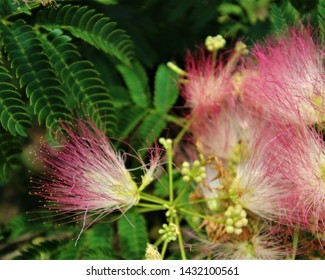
(150, 128)
(90, 26)
(32, 68)
(136, 80)
(11, 7)
(41, 251)
(166, 89)
(129, 117)
(283, 15)
(10, 147)
(321, 17)
(146, 117)
(14, 116)
(83, 85)
(133, 236)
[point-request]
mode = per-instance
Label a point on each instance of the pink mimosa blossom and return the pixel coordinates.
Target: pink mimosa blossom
(260, 245)
(303, 157)
(211, 93)
(288, 81)
(85, 175)
(283, 177)
(222, 131)
(259, 184)
(208, 86)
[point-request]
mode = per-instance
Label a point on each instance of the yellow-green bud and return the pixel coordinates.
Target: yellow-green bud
(230, 229)
(238, 231)
(176, 69)
(229, 222)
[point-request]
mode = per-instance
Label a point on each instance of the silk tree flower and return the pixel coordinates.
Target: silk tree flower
(222, 131)
(262, 244)
(282, 178)
(208, 86)
(259, 185)
(303, 155)
(211, 92)
(85, 175)
(287, 80)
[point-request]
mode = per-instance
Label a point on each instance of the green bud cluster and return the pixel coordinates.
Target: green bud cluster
(171, 212)
(167, 143)
(197, 172)
(169, 232)
(241, 48)
(214, 43)
(235, 219)
(233, 189)
(234, 160)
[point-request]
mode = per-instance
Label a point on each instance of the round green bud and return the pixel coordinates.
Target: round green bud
(185, 170)
(245, 222)
(239, 224)
(229, 222)
(238, 231)
(196, 163)
(186, 178)
(243, 214)
(230, 229)
(198, 179)
(186, 164)
(228, 213)
(238, 210)
(202, 169)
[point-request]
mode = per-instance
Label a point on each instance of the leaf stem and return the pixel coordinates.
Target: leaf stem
(200, 216)
(154, 199)
(163, 250)
(180, 239)
(185, 128)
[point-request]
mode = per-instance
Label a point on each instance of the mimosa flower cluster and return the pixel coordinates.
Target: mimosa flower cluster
(261, 116)
(254, 184)
(84, 176)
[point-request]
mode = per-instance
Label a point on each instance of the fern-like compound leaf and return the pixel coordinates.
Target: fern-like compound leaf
(35, 74)
(13, 114)
(10, 148)
(133, 236)
(90, 26)
(82, 82)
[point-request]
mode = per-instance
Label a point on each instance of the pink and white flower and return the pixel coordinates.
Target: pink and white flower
(85, 175)
(288, 81)
(211, 93)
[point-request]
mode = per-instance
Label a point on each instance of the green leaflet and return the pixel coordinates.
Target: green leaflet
(166, 89)
(321, 17)
(283, 16)
(136, 80)
(128, 119)
(10, 7)
(97, 243)
(10, 148)
(90, 26)
(42, 251)
(35, 74)
(13, 114)
(133, 236)
(83, 85)
(149, 129)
